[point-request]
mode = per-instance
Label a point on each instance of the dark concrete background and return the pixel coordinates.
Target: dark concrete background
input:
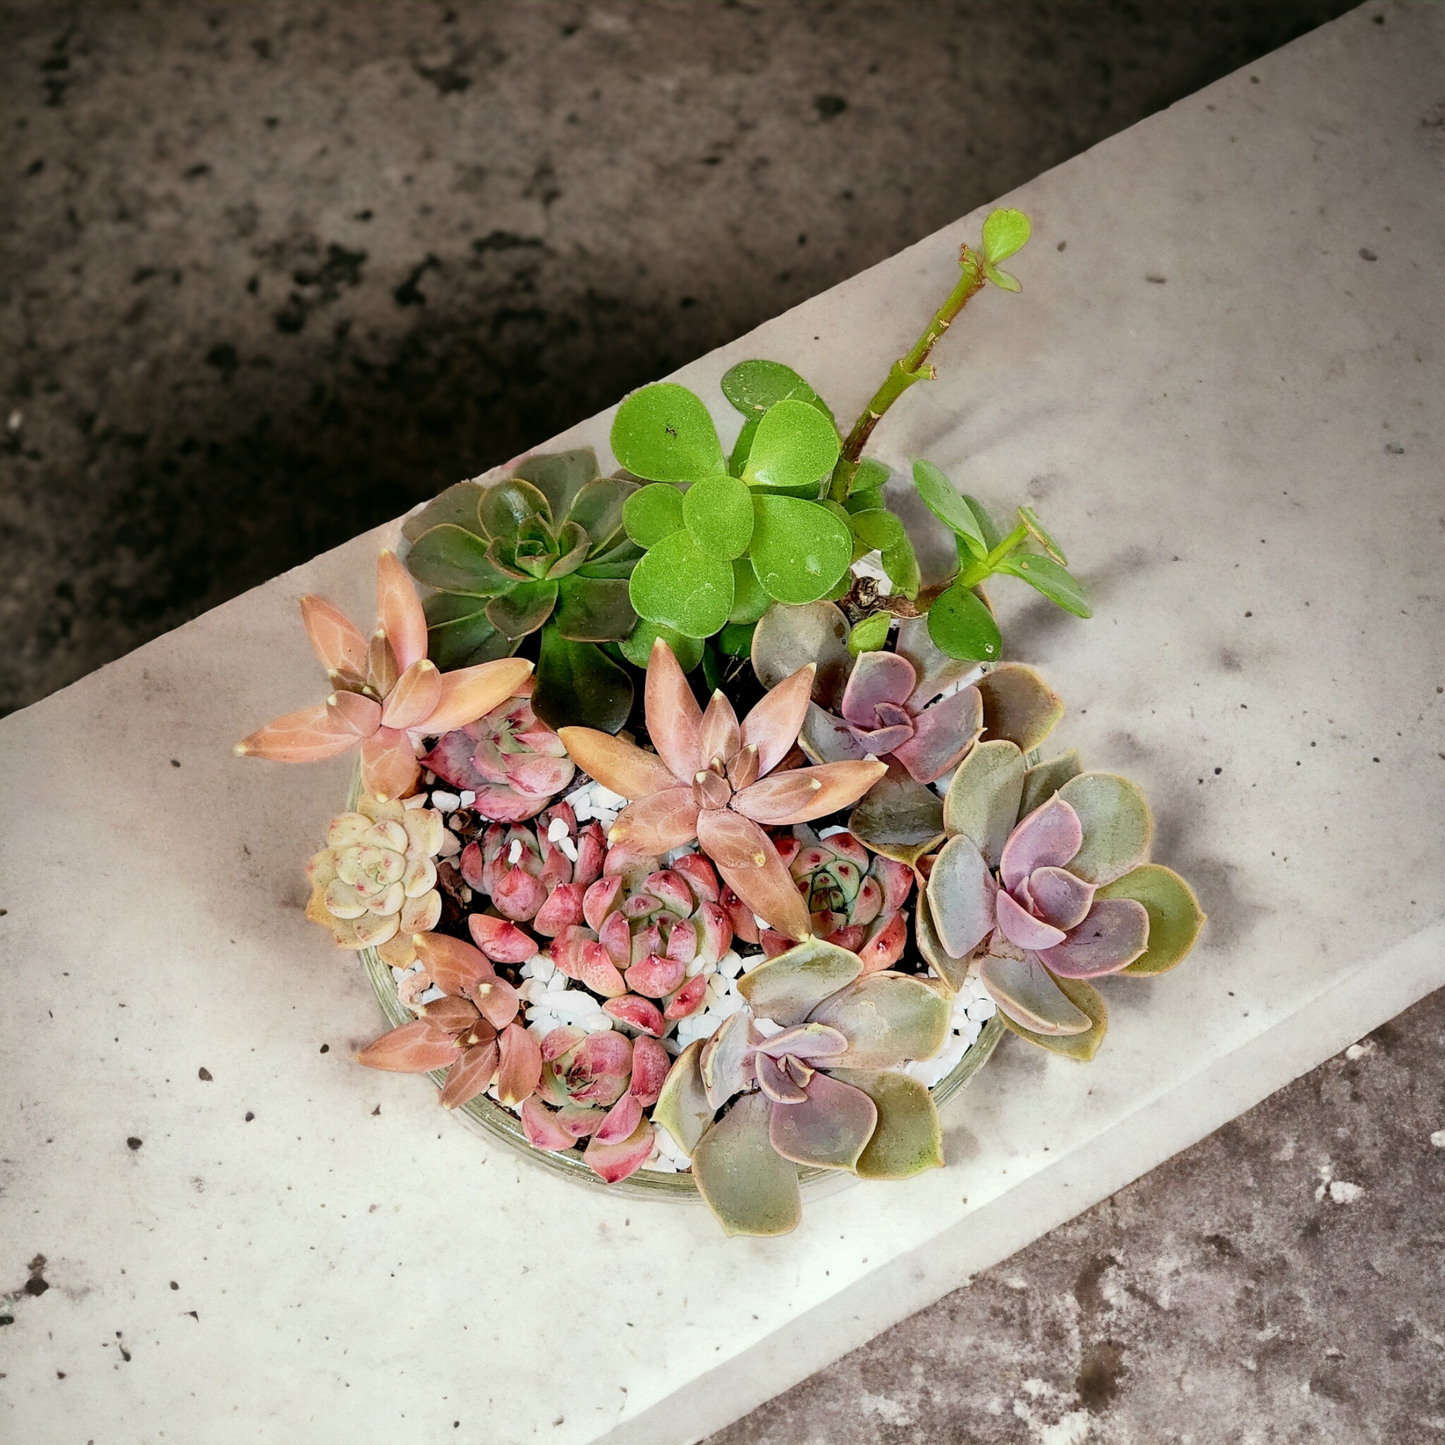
(271, 272)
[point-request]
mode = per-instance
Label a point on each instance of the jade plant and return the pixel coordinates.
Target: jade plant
(541, 549)
(713, 780)
(807, 1074)
(387, 691)
(1042, 885)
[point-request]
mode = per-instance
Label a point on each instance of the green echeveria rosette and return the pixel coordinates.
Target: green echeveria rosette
(544, 548)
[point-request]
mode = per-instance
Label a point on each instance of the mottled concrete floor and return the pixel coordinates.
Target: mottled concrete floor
(271, 272)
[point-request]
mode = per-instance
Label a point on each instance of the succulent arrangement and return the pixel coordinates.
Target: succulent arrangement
(741, 933)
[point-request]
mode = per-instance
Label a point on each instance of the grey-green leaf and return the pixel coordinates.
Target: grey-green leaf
(457, 506)
(454, 559)
(908, 1137)
(559, 476)
(746, 1183)
(789, 987)
(887, 1018)
(1117, 826)
(983, 799)
(1043, 780)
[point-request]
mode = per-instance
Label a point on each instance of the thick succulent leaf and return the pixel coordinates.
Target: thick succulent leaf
(1117, 825)
(789, 987)
(579, 685)
(773, 723)
(673, 716)
(619, 765)
(876, 529)
(414, 698)
(388, 764)
(572, 545)
(746, 1183)
(507, 505)
(749, 863)
(451, 964)
(524, 609)
(723, 1064)
(457, 507)
(878, 677)
(961, 625)
(738, 458)
(935, 669)
(1004, 232)
(683, 586)
(471, 1073)
(948, 506)
(1045, 575)
(718, 512)
(871, 476)
(1059, 897)
(718, 735)
(472, 692)
(398, 611)
(617, 561)
(800, 549)
(828, 739)
(593, 609)
(1047, 838)
(983, 798)
(1018, 705)
(659, 822)
(652, 513)
(787, 638)
(598, 509)
(908, 1138)
(754, 386)
(459, 634)
(1043, 780)
(887, 1018)
(1175, 916)
(350, 711)
(749, 599)
(1081, 1046)
(802, 794)
(637, 646)
(898, 817)
(414, 1048)
(870, 634)
(665, 434)
(614, 1162)
(828, 1129)
(991, 533)
(520, 1067)
(304, 736)
(335, 639)
(559, 476)
(795, 445)
(951, 969)
(1114, 933)
(942, 733)
(1022, 929)
(542, 1127)
(1028, 994)
(811, 1043)
(455, 560)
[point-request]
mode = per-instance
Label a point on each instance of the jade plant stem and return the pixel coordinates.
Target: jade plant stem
(979, 569)
(905, 371)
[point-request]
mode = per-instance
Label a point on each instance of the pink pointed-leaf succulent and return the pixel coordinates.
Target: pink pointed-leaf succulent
(386, 692)
(712, 779)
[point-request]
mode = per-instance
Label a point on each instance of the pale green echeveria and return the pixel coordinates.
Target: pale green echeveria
(821, 1091)
(543, 548)
(1042, 885)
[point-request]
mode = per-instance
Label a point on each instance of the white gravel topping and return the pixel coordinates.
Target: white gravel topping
(445, 802)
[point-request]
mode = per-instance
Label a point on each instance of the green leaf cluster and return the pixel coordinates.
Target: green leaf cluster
(544, 548)
(960, 621)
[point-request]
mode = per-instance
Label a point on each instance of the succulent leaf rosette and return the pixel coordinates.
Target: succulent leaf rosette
(810, 1073)
(1042, 886)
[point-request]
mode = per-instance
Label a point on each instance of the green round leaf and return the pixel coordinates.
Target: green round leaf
(682, 586)
(796, 446)
(878, 528)
(1117, 826)
(718, 511)
(637, 649)
(578, 685)
(870, 634)
(991, 534)
(901, 564)
(870, 477)
(744, 444)
(963, 627)
(1030, 519)
(800, 550)
(1004, 232)
(736, 639)
(948, 506)
(665, 434)
(754, 386)
(1001, 279)
(652, 513)
(749, 599)
(1175, 916)
(1046, 576)
(454, 559)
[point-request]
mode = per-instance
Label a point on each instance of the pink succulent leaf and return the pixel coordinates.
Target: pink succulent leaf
(878, 677)
(1059, 897)
(717, 931)
(777, 1082)
(562, 910)
(670, 889)
(850, 936)
(451, 761)
(305, 736)
(829, 739)
(656, 976)
(1026, 992)
(580, 1120)
(942, 734)
(1114, 934)
(614, 1162)
(744, 925)
(658, 823)
(882, 741)
(540, 776)
(487, 760)
(726, 1059)
(1047, 838)
(885, 943)
(453, 966)
(561, 1041)
(640, 1012)
(506, 805)
(830, 1128)
(517, 895)
(470, 1075)
(773, 725)
(471, 692)
(591, 853)
(597, 971)
(619, 765)
(673, 716)
(605, 1053)
(566, 949)
(414, 1048)
(497, 1001)
(543, 1128)
(687, 1000)
(750, 866)
(520, 1067)
(701, 877)
(398, 610)
(388, 764)
(600, 899)
(334, 638)
(896, 880)
(650, 1063)
(774, 943)
(615, 936)
(415, 696)
(1021, 928)
(719, 738)
(646, 940)
(501, 941)
(809, 1042)
(868, 903)
(622, 1119)
(353, 713)
(682, 942)
(801, 794)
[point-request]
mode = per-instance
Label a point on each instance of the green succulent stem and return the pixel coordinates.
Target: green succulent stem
(906, 371)
(982, 568)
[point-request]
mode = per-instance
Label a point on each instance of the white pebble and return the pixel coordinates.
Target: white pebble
(542, 967)
(695, 967)
(569, 849)
(430, 996)
(766, 1027)
(982, 1009)
(445, 802)
(428, 777)
(833, 831)
(728, 1005)
(1438, 1138)
(730, 965)
(556, 981)
(606, 798)
(1343, 1193)
(596, 1023)
(468, 797)
(575, 1004)
(556, 829)
(514, 853)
